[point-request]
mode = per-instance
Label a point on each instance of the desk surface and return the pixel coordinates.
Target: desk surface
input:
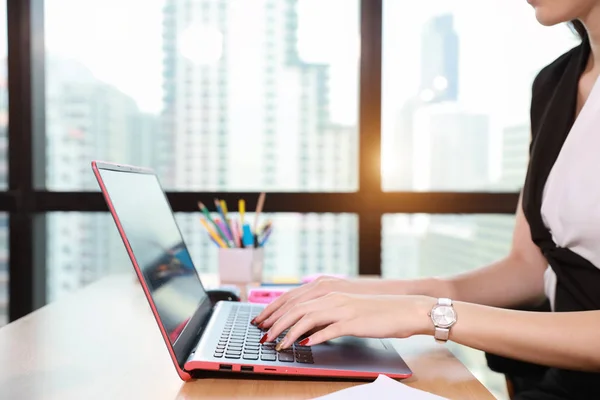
(102, 343)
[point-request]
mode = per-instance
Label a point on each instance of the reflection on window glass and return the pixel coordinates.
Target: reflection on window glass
(456, 91)
(424, 245)
(83, 247)
(214, 95)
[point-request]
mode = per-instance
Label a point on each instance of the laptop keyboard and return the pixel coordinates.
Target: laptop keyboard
(240, 341)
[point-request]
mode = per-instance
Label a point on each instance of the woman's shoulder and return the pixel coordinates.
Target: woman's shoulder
(553, 72)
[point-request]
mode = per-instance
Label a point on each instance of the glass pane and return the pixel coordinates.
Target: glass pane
(215, 95)
(3, 268)
(417, 245)
(423, 245)
(83, 247)
(456, 92)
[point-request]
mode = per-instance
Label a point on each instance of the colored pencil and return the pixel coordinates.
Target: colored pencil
(242, 210)
(259, 208)
(214, 236)
(218, 229)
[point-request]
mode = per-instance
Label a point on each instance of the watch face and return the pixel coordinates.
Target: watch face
(443, 316)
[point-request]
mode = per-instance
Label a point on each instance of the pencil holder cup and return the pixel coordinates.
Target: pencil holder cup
(241, 265)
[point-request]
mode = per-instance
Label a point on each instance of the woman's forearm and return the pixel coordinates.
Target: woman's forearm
(564, 340)
(510, 282)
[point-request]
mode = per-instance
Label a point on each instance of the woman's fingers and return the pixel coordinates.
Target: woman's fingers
(308, 323)
(277, 303)
(332, 331)
(305, 292)
(294, 315)
(302, 298)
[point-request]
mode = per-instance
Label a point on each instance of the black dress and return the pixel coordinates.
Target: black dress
(553, 108)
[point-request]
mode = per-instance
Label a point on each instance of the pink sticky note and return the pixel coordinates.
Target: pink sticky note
(310, 278)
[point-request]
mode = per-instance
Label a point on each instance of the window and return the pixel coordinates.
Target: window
(149, 85)
(423, 245)
(420, 245)
(101, 246)
(456, 91)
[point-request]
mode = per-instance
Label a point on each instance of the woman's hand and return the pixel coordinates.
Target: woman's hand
(343, 314)
(318, 288)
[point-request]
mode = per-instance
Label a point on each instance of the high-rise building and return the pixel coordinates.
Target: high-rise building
(243, 110)
(87, 119)
(451, 149)
(397, 150)
(401, 255)
(515, 156)
(439, 60)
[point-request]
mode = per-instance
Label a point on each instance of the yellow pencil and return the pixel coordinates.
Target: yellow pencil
(224, 207)
(242, 210)
(212, 233)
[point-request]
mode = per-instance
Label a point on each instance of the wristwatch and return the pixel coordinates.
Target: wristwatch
(443, 317)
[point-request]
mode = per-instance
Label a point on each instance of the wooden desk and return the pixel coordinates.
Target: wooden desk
(103, 343)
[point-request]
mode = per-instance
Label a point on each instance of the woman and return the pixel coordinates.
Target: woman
(555, 252)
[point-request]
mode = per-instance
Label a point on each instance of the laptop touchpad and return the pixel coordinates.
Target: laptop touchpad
(350, 341)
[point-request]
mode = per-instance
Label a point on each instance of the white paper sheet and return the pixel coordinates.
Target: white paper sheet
(383, 388)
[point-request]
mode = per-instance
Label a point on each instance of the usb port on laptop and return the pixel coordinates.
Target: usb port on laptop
(225, 367)
(247, 368)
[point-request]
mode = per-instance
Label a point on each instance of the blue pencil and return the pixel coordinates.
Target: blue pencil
(263, 240)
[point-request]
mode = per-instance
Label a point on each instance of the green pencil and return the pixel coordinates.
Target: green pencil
(203, 208)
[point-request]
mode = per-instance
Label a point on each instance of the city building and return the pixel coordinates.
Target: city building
(251, 114)
(439, 60)
(86, 120)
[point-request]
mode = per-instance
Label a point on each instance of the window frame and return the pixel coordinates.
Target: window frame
(27, 201)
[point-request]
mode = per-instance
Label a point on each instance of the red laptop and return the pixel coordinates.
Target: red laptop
(202, 336)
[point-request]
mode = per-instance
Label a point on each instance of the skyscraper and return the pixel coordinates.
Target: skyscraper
(515, 156)
(439, 60)
(451, 148)
(244, 111)
(86, 119)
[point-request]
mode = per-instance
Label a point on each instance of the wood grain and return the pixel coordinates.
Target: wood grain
(102, 343)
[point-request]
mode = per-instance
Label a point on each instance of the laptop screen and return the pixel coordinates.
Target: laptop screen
(157, 245)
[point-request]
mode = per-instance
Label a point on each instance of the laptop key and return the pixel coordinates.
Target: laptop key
(268, 357)
(286, 357)
(218, 355)
(250, 356)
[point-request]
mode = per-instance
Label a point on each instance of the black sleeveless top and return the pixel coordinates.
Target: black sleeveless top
(553, 107)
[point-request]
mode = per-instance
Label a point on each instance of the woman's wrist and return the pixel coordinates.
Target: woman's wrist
(421, 307)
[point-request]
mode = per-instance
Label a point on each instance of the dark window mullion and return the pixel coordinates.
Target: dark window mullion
(26, 155)
(369, 176)
(382, 203)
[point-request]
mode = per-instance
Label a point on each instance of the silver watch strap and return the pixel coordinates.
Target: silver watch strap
(441, 334)
(444, 301)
